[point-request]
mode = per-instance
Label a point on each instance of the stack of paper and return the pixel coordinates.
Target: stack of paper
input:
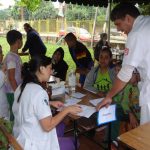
(58, 91)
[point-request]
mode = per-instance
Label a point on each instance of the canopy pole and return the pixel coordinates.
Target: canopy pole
(109, 8)
(94, 25)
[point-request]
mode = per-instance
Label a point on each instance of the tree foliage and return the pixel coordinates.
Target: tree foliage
(45, 10)
(31, 5)
(5, 14)
(145, 9)
(77, 12)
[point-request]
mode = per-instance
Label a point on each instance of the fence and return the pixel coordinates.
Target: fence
(50, 25)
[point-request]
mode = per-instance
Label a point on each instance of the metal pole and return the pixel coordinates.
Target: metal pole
(109, 7)
(94, 24)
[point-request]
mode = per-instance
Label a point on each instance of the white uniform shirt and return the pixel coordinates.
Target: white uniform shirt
(4, 107)
(137, 54)
(32, 107)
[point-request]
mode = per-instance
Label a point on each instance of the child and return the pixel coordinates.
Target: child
(4, 108)
(128, 98)
(34, 125)
(12, 62)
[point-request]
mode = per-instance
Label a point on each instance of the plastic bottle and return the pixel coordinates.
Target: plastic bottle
(72, 80)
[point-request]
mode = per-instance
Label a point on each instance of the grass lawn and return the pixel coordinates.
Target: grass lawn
(50, 49)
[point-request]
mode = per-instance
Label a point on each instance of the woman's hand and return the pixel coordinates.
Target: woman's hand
(56, 104)
(73, 109)
(133, 121)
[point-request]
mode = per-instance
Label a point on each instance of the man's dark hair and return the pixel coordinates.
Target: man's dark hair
(123, 9)
(70, 36)
(12, 36)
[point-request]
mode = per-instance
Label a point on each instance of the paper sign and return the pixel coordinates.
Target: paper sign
(106, 115)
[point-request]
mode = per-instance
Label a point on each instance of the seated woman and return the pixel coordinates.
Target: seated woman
(34, 125)
(59, 65)
(100, 78)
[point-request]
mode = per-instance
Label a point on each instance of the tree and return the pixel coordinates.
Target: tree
(145, 9)
(77, 12)
(45, 10)
(5, 14)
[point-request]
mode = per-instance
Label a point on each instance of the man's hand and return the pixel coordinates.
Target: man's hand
(105, 102)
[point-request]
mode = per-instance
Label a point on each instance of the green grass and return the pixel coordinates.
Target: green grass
(50, 50)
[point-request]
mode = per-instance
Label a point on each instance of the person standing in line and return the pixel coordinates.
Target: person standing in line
(13, 65)
(127, 19)
(34, 125)
(102, 43)
(34, 43)
(80, 55)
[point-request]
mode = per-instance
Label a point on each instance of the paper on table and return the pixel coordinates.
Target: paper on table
(87, 111)
(90, 91)
(106, 115)
(58, 91)
(68, 102)
(77, 95)
(96, 101)
(71, 101)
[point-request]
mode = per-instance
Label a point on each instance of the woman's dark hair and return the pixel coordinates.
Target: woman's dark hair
(61, 51)
(123, 9)
(106, 49)
(29, 70)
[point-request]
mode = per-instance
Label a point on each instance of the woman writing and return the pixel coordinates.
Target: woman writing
(34, 126)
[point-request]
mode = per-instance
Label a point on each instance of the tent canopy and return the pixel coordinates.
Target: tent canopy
(100, 3)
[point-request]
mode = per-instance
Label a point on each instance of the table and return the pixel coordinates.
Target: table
(85, 101)
(137, 139)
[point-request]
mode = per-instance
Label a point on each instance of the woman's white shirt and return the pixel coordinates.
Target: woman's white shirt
(32, 107)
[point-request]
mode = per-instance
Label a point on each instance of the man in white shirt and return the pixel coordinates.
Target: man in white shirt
(127, 19)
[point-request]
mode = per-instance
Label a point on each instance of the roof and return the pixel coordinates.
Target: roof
(101, 3)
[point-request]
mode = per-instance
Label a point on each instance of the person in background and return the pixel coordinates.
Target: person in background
(127, 19)
(101, 44)
(80, 55)
(34, 125)
(13, 64)
(34, 43)
(4, 107)
(59, 66)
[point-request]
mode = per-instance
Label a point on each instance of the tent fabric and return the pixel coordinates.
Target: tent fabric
(100, 3)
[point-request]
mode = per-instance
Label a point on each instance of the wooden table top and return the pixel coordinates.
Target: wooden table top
(85, 100)
(138, 138)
